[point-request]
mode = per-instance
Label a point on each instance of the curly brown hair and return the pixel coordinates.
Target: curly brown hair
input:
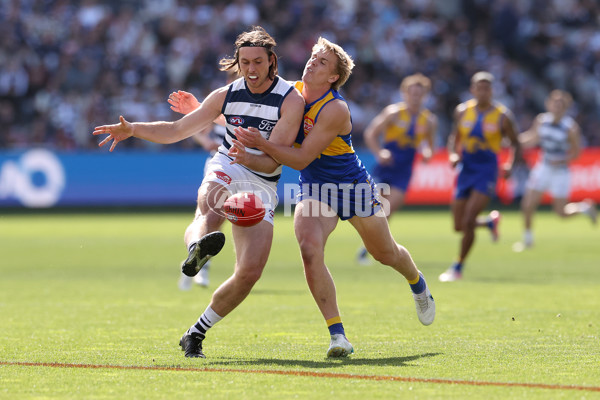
(257, 37)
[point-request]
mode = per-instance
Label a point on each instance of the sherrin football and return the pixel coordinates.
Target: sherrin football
(244, 209)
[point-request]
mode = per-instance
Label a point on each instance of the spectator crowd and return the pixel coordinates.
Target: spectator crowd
(67, 66)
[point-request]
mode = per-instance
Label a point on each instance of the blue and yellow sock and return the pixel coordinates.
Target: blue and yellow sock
(417, 285)
(335, 326)
(457, 266)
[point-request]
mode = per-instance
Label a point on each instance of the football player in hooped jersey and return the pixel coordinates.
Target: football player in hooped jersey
(480, 124)
(394, 137)
(334, 185)
(558, 136)
(259, 99)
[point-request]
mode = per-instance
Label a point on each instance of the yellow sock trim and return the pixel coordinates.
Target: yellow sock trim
(334, 320)
(415, 280)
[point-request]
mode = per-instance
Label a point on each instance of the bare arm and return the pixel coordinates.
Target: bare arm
(574, 138)
(530, 137)
(427, 150)
(375, 130)
(454, 138)
(184, 103)
(333, 120)
(509, 129)
(162, 131)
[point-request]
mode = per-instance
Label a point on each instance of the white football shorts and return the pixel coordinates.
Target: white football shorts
(547, 178)
(236, 178)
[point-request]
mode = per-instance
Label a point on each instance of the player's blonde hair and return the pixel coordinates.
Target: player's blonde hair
(344, 65)
(416, 79)
(257, 37)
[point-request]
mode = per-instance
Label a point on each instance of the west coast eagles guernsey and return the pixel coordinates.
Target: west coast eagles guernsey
(338, 163)
(480, 135)
(262, 111)
(404, 136)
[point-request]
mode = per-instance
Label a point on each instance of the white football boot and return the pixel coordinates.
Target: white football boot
(425, 305)
(340, 346)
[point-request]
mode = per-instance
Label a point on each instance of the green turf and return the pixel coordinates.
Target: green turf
(101, 289)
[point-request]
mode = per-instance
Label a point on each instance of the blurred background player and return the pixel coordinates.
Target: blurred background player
(476, 138)
(558, 136)
(405, 127)
(210, 139)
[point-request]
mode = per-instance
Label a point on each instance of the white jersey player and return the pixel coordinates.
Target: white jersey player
(558, 136)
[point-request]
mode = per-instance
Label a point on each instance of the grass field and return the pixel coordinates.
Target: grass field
(89, 308)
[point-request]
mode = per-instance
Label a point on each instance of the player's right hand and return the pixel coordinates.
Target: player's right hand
(384, 157)
(183, 102)
(454, 159)
(117, 132)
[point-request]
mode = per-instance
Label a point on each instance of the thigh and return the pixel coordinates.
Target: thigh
(475, 204)
(561, 183)
(540, 178)
(395, 199)
(314, 221)
(252, 246)
(375, 232)
(211, 197)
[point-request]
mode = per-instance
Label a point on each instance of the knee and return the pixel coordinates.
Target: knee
(468, 224)
(249, 276)
(309, 248)
(214, 220)
(390, 256)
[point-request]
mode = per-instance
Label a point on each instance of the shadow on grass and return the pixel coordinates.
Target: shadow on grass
(326, 363)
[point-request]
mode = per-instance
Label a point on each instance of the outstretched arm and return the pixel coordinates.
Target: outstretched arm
(163, 131)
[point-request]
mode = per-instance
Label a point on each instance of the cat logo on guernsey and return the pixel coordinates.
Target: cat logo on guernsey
(236, 121)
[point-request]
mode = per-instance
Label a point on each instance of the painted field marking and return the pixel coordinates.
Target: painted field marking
(312, 374)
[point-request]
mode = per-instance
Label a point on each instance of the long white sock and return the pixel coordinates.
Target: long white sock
(205, 322)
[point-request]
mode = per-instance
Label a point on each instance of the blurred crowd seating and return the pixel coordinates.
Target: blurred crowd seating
(67, 66)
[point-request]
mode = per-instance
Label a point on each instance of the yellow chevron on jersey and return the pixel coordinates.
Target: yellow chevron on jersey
(481, 131)
(339, 145)
(399, 131)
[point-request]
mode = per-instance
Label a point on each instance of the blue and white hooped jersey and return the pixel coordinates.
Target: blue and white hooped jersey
(554, 137)
(243, 108)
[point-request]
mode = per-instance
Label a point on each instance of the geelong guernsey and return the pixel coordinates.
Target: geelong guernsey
(243, 108)
(554, 137)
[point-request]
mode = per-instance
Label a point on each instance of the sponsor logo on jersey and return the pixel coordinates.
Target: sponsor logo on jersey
(308, 125)
(490, 127)
(236, 121)
(266, 126)
(223, 176)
